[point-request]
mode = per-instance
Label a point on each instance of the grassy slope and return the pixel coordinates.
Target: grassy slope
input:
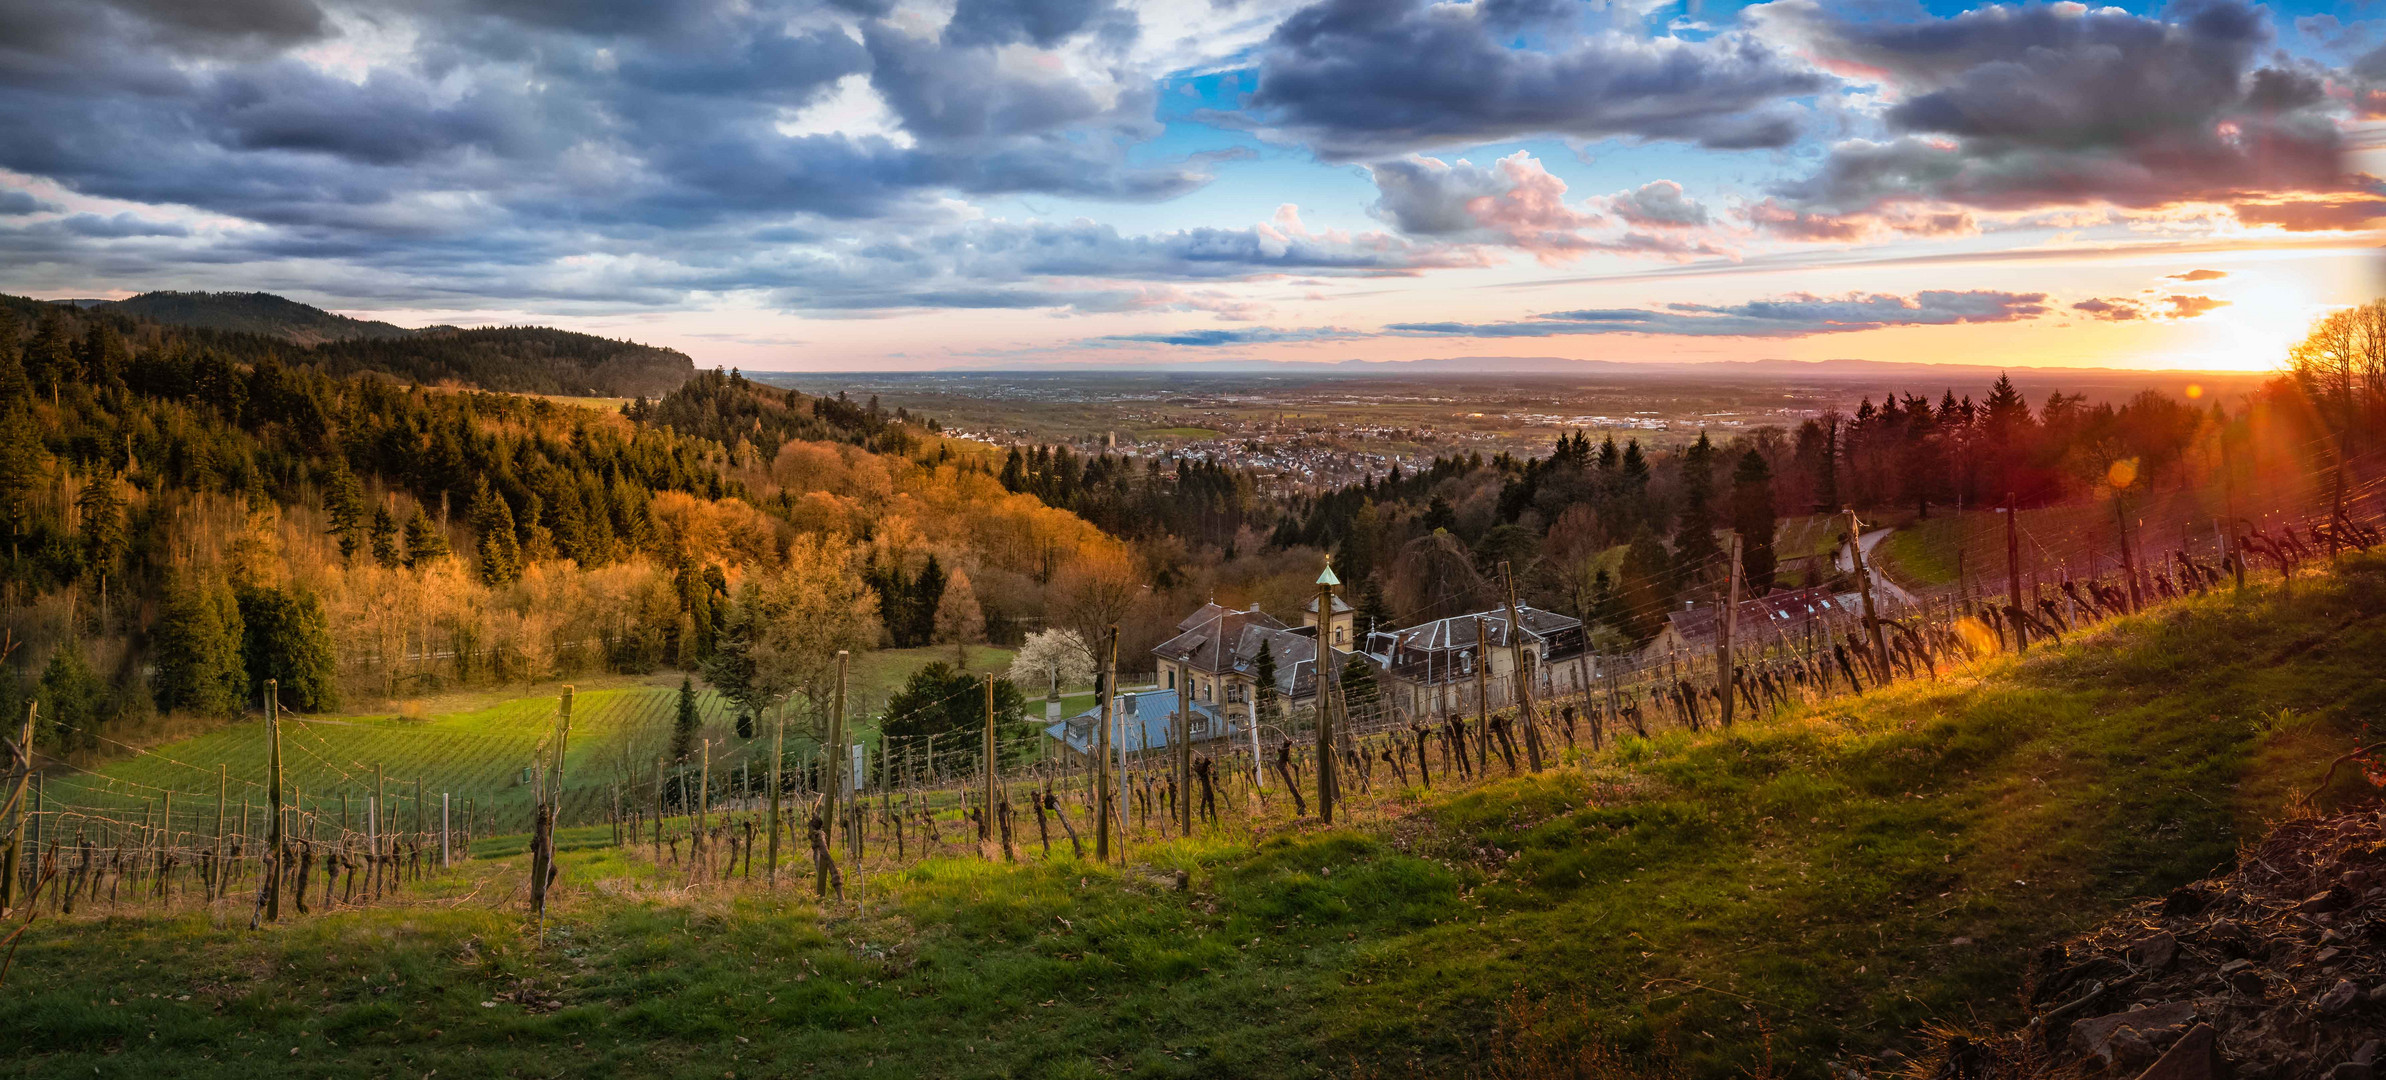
(470, 745)
(1836, 877)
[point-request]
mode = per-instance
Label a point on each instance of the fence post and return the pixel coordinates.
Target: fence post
(445, 859)
(2021, 627)
(23, 767)
(1102, 748)
(1727, 686)
(1326, 676)
(1872, 622)
(273, 795)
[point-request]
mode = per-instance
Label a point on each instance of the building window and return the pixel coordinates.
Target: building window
(1172, 678)
(1340, 635)
(1234, 693)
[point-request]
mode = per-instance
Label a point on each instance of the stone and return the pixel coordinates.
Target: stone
(2335, 898)
(2339, 997)
(2102, 1037)
(2155, 951)
(2368, 1054)
(2351, 1070)
(2196, 1056)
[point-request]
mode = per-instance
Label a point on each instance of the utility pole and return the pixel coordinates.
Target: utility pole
(1728, 687)
(1516, 672)
(2021, 628)
(1102, 748)
(778, 752)
(1325, 680)
(273, 796)
(1872, 622)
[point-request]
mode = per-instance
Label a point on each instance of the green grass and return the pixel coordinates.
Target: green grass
(1835, 877)
(476, 752)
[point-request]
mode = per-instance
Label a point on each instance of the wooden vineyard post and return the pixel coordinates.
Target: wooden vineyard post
(1524, 684)
(1482, 700)
(832, 780)
(216, 875)
(373, 830)
(1872, 622)
(1184, 751)
(2021, 628)
(986, 833)
(21, 764)
(2128, 552)
(1102, 749)
(1326, 675)
(421, 829)
(273, 800)
(778, 749)
(542, 839)
(445, 858)
(1727, 687)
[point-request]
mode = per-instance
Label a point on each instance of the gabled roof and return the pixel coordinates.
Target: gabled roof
(1340, 606)
(1458, 631)
(1784, 608)
(1222, 639)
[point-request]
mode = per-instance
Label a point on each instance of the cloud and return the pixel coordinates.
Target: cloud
(1799, 315)
(1659, 204)
(2014, 108)
(1371, 79)
(2175, 306)
(2200, 275)
(1221, 338)
(1518, 204)
(19, 203)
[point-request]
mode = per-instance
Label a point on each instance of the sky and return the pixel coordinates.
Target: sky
(829, 185)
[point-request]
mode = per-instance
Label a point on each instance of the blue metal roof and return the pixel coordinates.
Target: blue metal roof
(1144, 721)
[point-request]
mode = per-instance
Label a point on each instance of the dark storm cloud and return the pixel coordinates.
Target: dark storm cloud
(525, 131)
(2020, 107)
(1797, 316)
(1360, 79)
(19, 203)
(1043, 22)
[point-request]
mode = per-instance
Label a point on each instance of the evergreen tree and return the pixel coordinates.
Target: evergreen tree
(499, 549)
(425, 543)
(284, 637)
(50, 358)
(1752, 517)
(1360, 696)
(344, 504)
(102, 527)
(198, 638)
(71, 698)
(1263, 673)
(1646, 586)
(382, 535)
(1695, 549)
(685, 722)
(941, 700)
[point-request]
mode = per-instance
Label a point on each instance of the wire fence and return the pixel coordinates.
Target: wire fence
(352, 821)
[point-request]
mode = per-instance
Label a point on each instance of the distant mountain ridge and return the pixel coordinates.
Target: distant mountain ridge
(511, 359)
(259, 313)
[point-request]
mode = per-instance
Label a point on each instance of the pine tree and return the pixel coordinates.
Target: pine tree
(685, 722)
(1358, 688)
(197, 639)
(285, 637)
(382, 536)
(499, 549)
(344, 504)
(102, 528)
(1695, 549)
(1752, 517)
(1263, 673)
(71, 699)
(425, 543)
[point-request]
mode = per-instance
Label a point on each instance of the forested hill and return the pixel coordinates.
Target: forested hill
(247, 327)
(259, 313)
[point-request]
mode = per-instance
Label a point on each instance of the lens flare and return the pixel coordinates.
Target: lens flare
(2194, 391)
(1976, 634)
(2121, 474)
